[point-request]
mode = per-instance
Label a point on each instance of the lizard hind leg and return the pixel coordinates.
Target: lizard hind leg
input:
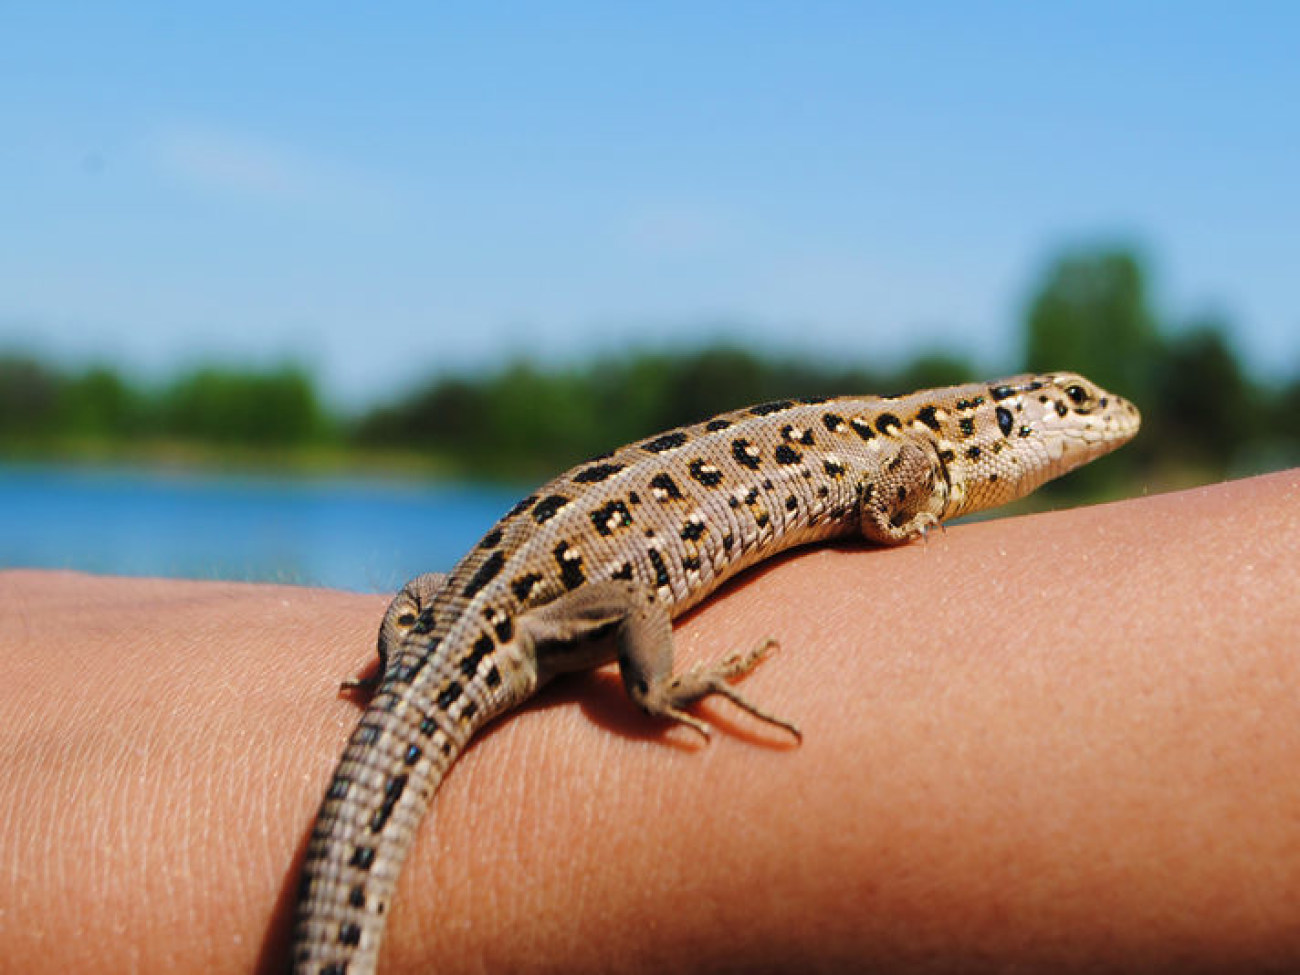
(645, 659)
(410, 610)
(643, 635)
(703, 680)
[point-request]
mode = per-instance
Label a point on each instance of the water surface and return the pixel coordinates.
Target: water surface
(363, 535)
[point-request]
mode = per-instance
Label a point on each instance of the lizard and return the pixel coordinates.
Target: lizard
(619, 546)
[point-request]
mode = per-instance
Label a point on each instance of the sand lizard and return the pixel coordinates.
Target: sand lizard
(625, 542)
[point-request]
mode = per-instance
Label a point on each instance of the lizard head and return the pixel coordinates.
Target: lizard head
(1029, 430)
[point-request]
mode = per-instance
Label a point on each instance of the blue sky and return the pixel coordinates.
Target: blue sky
(389, 191)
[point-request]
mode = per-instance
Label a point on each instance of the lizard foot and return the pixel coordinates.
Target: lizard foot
(703, 680)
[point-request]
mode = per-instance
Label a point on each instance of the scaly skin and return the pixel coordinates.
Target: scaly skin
(627, 541)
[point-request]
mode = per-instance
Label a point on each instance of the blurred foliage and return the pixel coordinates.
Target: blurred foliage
(1091, 315)
(30, 399)
(1204, 416)
(49, 411)
(276, 408)
(525, 423)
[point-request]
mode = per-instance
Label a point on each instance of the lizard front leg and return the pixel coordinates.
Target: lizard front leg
(904, 497)
(643, 636)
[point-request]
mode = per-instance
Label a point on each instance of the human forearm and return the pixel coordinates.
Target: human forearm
(1047, 742)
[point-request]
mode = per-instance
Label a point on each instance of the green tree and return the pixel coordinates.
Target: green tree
(29, 398)
(100, 404)
(227, 406)
(1280, 412)
(546, 420)
(1205, 411)
(933, 369)
(1286, 414)
(1091, 315)
(713, 380)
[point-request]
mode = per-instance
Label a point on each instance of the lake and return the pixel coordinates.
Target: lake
(362, 535)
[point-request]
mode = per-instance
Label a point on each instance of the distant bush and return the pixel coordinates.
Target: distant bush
(29, 398)
(526, 422)
(41, 404)
(228, 406)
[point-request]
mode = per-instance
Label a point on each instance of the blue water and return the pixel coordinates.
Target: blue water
(368, 536)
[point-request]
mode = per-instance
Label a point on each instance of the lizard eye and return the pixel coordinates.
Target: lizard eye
(1078, 395)
(406, 619)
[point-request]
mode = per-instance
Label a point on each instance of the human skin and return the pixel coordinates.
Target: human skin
(1063, 742)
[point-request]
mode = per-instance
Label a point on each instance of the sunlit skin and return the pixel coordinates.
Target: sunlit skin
(1053, 743)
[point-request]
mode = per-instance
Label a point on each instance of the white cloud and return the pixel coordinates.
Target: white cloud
(222, 161)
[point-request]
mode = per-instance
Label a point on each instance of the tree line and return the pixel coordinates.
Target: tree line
(46, 409)
(1204, 416)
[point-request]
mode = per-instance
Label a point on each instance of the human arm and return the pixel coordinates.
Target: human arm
(1048, 742)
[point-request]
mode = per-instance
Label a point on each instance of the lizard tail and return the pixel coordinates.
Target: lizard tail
(365, 826)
